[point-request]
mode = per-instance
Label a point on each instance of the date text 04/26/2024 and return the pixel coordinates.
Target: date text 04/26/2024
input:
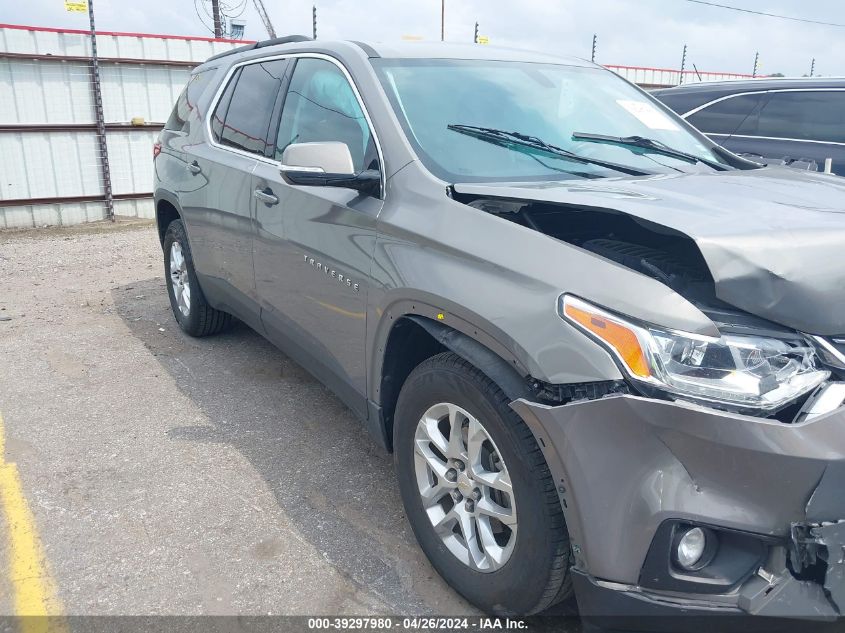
(418, 624)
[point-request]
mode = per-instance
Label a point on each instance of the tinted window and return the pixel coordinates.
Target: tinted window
(219, 116)
(682, 102)
(818, 116)
(321, 106)
(187, 102)
(728, 116)
(251, 106)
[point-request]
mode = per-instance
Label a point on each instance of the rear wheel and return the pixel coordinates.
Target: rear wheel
(477, 491)
(187, 301)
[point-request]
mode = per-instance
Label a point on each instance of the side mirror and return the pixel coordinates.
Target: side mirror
(327, 164)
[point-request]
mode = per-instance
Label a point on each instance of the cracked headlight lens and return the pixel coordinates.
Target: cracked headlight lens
(752, 372)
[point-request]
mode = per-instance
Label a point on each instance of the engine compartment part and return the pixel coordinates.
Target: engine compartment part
(662, 254)
(768, 251)
(826, 399)
(816, 553)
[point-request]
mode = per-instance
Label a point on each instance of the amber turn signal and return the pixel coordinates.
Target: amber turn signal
(622, 339)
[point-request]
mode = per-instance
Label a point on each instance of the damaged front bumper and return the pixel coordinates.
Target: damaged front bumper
(628, 469)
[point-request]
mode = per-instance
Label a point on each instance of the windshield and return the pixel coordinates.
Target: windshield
(547, 101)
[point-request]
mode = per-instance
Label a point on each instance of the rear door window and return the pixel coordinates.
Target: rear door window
(804, 115)
(249, 109)
(682, 102)
(734, 115)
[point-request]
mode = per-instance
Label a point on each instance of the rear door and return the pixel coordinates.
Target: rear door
(804, 124)
(314, 245)
(219, 209)
(795, 124)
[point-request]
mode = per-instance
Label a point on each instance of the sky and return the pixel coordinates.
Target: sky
(630, 32)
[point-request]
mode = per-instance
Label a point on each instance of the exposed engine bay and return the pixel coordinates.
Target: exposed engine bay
(659, 252)
(648, 248)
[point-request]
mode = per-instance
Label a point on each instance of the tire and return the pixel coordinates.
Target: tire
(193, 315)
(535, 573)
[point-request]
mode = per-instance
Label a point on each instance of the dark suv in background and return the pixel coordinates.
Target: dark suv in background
(797, 121)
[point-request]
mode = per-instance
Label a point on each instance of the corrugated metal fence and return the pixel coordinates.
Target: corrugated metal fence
(50, 170)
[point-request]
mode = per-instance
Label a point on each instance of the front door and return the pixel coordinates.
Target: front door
(314, 245)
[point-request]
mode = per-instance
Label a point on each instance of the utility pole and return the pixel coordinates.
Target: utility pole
(262, 13)
(314, 21)
(218, 24)
(812, 67)
(595, 41)
(105, 171)
(442, 20)
(475, 37)
(683, 64)
(756, 64)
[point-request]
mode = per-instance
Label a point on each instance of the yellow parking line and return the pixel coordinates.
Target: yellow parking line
(34, 593)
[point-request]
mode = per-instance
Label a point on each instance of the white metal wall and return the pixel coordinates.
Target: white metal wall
(35, 40)
(49, 155)
(48, 144)
(39, 91)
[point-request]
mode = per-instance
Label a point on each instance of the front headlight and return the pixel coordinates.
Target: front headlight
(751, 372)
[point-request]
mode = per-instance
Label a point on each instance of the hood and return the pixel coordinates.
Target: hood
(773, 238)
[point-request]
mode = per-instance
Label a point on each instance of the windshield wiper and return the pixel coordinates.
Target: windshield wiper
(518, 141)
(653, 145)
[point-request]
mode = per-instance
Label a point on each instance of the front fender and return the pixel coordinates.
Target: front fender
(499, 282)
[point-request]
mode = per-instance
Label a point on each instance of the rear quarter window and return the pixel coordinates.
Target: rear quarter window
(179, 120)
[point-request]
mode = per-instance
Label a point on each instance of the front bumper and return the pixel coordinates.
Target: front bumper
(625, 464)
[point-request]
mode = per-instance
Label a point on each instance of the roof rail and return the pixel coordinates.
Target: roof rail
(288, 39)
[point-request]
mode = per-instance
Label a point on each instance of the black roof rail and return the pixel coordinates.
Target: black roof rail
(288, 39)
(369, 50)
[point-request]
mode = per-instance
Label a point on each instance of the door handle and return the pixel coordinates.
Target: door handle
(266, 196)
(194, 168)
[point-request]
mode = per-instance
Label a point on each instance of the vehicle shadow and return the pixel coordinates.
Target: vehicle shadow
(328, 477)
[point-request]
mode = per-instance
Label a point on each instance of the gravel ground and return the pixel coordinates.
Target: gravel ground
(170, 475)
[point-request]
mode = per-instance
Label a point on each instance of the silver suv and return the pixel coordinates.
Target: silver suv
(604, 351)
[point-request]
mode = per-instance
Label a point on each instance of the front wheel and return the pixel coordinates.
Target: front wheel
(477, 490)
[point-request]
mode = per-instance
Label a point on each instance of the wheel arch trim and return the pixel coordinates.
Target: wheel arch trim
(470, 340)
(163, 195)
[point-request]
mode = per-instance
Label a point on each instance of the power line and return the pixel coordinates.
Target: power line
(201, 19)
(768, 15)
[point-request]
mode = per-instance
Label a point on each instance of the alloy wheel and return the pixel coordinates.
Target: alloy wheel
(179, 278)
(465, 487)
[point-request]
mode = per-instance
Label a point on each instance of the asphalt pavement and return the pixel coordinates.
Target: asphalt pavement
(170, 475)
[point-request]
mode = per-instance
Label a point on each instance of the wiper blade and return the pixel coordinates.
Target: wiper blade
(651, 144)
(516, 140)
